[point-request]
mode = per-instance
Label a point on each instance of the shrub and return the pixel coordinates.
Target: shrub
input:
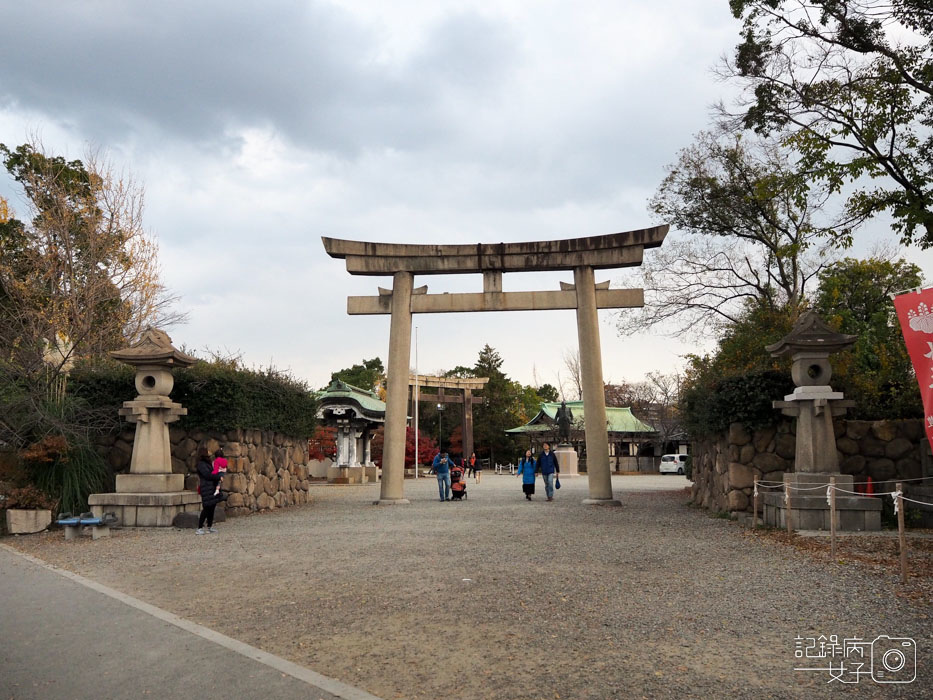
(746, 399)
(28, 498)
(69, 468)
(220, 395)
(73, 474)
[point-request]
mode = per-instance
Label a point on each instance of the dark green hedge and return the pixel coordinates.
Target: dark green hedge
(742, 399)
(219, 395)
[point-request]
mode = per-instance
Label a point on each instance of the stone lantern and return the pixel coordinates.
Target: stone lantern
(814, 403)
(356, 414)
(150, 495)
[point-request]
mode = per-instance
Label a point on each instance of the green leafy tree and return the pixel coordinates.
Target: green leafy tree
(369, 375)
(849, 84)
(548, 392)
(854, 297)
(502, 408)
(740, 379)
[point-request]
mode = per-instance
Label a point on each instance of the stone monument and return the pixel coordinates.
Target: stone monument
(150, 495)
(566, 456)
(814, 403)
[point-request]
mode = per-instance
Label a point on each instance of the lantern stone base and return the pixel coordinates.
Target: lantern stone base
(145, 509)
(345, 475)
(352, 475)
(27, 521)
(567, 459)
(809, 509)
(150, 483)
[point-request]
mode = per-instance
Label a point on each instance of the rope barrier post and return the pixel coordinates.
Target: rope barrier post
(899, 502)
(755, 505)
(787, 507)
(832, 517)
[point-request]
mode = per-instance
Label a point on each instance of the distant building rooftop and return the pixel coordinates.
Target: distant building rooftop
(620, 420)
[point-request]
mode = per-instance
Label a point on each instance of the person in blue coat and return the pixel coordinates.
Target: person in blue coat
(549, 468)
(526, 470)
(442, 470)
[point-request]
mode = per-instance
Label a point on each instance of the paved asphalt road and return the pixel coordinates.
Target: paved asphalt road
(62, 636)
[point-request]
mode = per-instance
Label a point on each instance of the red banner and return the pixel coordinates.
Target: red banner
(915, 312)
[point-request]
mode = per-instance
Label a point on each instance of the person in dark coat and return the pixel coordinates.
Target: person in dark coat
(549, 468)
(208, 482)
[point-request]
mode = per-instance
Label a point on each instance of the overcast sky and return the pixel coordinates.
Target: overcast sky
(259, 127)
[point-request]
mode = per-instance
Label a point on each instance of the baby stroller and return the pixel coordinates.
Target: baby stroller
(457, 484)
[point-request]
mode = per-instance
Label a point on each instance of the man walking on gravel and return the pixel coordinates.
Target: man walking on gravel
(442, 469)
(548, 466)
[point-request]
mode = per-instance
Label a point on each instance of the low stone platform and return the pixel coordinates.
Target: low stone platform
(352, 475)
(809, 509)
(145, 509)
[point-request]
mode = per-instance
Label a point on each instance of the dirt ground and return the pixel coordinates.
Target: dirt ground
(498, 597)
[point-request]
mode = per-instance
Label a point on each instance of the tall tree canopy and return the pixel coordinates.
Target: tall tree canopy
(78, 277)
(751, 233)
(849, 84)
(502, 408)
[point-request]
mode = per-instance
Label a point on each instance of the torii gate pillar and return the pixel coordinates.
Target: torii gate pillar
(392, 490)
(594, 397)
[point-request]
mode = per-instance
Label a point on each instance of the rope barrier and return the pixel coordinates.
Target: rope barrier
(857, 483)
(855, 493)
(911, 500)
(830, 488)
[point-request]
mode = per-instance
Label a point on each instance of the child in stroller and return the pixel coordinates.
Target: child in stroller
(457, 483)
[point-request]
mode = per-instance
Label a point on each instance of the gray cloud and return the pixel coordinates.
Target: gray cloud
(258, 129)
(201, 70)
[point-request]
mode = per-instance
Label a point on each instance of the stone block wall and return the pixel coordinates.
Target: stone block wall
(725, 467)
(266, 470)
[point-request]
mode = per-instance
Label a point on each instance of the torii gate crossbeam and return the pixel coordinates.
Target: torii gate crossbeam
(582, 255)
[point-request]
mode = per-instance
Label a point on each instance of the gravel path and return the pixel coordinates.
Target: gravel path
(498, 597)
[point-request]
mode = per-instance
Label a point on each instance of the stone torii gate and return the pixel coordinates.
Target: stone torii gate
(465, 384)
(582, 255)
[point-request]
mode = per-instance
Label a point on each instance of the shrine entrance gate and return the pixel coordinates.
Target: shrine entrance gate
(581, 255)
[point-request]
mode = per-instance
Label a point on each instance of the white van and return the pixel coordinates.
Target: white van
(673, 464)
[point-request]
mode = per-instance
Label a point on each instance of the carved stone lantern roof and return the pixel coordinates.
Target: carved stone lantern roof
(154, 348)
(811, 335)
(342, 396)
